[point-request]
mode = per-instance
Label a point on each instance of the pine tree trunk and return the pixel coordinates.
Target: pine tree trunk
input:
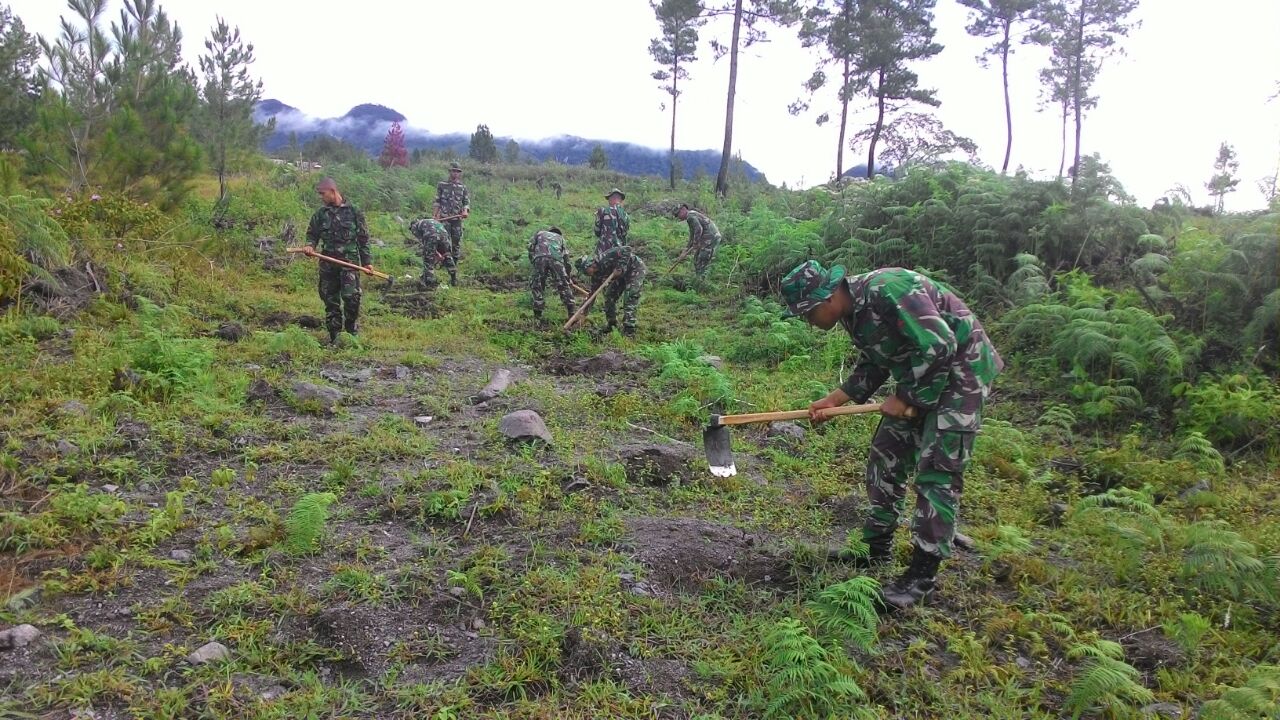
(722, 177)
(675, 94)
(1078, 90)
(1008, 109)
(875, 134)
(1062, 159)
(844, 119)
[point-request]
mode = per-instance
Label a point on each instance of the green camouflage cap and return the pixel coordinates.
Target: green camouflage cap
(675, 212)
(808, 286)
(617, 192)
(583, 263)
(455, 166)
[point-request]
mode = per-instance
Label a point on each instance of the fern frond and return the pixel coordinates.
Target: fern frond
(1257, 699)
(849, 608)
(306, 521)
(1104, 679)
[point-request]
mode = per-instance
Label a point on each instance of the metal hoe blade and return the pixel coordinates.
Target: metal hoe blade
(716, 442)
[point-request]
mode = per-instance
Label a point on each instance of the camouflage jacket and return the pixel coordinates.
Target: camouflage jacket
(545, 243)
(451, 198)
(621, 258)
(612, 226)
(919, 332)
(340, 232)
(423, 228)
(701, 229)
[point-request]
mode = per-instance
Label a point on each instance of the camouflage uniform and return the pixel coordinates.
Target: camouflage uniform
(918, 332)
(626, 286)
(612, 226)
(340, 232)
(550, 260)
(704, 238)
(435, 249)
(452, 199)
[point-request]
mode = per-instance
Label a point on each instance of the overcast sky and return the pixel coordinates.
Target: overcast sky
(1196, 73)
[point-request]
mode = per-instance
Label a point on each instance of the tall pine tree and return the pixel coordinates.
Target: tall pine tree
(1000, 19)
(226, 127)
(674, 50)
(1224, 178)
(19, 85)
(483, 148)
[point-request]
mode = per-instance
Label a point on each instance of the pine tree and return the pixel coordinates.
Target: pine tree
(226, 125)
(1224, 178)
(598, 160)
(998, 19)
(394, 153)
(483, 148)
(19, 85)
(511, 153)
(675, 49)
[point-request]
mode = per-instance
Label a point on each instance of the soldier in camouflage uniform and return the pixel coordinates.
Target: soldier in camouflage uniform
(436, 250)
(550, 260)
(612, 223)
(918, 332)
(626, 286)
(704, 237)
(452, 206)
(339, 231)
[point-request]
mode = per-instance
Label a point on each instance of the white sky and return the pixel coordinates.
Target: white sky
(1196, 73)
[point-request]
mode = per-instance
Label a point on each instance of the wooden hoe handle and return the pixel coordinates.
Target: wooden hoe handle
(749, 418)
(336, 261)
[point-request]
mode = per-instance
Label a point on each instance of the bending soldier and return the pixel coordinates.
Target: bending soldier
(550, 261)
(627, 285)
(436, 250)
(704, 238)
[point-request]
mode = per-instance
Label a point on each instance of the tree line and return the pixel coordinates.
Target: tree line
(867, 49)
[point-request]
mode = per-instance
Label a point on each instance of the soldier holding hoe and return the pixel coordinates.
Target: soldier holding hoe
(452, 206)
(339, 231)
(918, 332)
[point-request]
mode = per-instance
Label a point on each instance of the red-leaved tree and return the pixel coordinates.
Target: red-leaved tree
(393, 151)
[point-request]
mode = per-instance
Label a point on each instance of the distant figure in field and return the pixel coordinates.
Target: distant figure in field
(555, 185)
(550, 261)
(452, 206)
(436, 250)
(704, 238)
(338, 230)
(627, 285)
(612, 223)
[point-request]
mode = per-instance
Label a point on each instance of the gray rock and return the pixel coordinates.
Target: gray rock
(477, 624)
(125, 378)
(66, 447)
(1163, 709)
(326, 397)
(422, 420)
(73, 407)
(713, 360)
(524, 426)
(108, 488)
(360, 376)
(652, 464)
(273, 692)
(253, 367)
(181, 555)
(401, 372)
(1022, 662)
(209, 652)
(1055, 513)
(259, 390)
(786, 434)
(575, 485)
(230, 331)
(457, 591)
(17, 637)
(497, 384)
(1201, 486)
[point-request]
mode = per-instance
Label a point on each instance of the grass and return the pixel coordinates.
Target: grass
(488, 589)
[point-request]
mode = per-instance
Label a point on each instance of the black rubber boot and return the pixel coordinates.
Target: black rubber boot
(453, 277)
(333, 337)
(628, 331)
(916, 586)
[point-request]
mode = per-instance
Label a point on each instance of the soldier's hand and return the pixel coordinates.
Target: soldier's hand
(896, 407)
(466, 213)
(368, 269)
(308, 251)
(816, 414)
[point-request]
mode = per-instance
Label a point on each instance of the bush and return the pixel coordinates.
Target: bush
(1231, 411)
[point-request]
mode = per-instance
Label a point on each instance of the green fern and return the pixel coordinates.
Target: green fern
(1188, 631)
(850, 609)
(1217, 559)
(1194, 448)
(804, 681)
(1127, 519)
(1058, 418)
(1104, 679)
(1258, 699)
(306, 522)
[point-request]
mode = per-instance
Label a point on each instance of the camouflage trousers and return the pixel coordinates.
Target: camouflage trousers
(340, 291)
(938, 449)
(544, 269)
(436, 251)
(455, 238)
(626, 287)
(703, 256)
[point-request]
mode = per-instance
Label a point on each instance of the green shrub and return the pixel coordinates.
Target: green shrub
(31, 327)
(697, 385)
(850, 609)
(1104, 679)
(1232, 410)
(1257, 699)
(804, 680)
(306, 522)
(168, 365)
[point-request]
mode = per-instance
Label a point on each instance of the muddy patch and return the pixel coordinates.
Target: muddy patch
(605, 363)
(409, 298)
(684, 553)
(1151, 650)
